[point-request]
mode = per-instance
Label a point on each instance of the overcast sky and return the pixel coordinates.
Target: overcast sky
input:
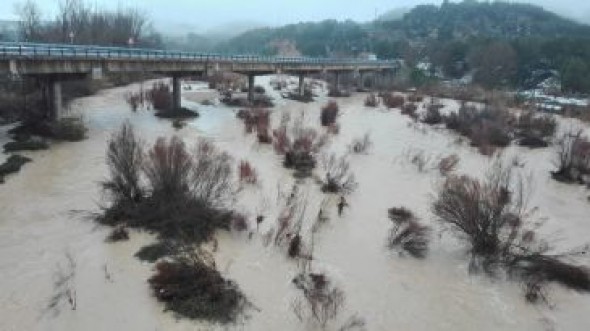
(207, 14)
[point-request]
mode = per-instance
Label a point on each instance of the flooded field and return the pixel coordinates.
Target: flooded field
(44, 209)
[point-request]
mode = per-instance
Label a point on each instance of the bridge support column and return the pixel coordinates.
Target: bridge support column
(176, 93)
(301, 84)
(361, 82)
(251, 87)
(51, 94)
(337, 81)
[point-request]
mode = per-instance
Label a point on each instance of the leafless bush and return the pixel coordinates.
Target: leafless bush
(372, 100)
(168, 168)
(299, 145)
(329, 113)
(410, 110)
(125, 157)
(448, 164)
(391, 100)
(247, 173)
(572, 160)
(338, 177)
(211, 174)
(361, 145)
(492, 216)
(190, 286)
(119, 233)
(160, 96)
(433, 116)
(64, 287)
(534, 129)
(321, 301)
(415, 97)
(407, 234)
(420, 159)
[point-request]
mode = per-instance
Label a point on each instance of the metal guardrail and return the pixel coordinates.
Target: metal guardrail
(15, 50)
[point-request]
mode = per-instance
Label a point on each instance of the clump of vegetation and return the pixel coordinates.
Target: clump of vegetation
(415, 98)
(338, 93)
(407, 234)
(119, 233)
(391, 100)
(160, 97)
(433, 115)
(372, 101)
(181, 198)
(152, 253)
(26, 145)
(448, 164)
(190, 286)
(321, 300)
(70, 129)
(329, 114)
(361, 145)
(12, 165)
(247, 173)
(338, 177)
(257, 119)
(487, 128)
(533, 130)
(572, 157)
(410, 109)
(491, 216)
(299, 145)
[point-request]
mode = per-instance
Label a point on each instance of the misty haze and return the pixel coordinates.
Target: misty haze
(308, 165)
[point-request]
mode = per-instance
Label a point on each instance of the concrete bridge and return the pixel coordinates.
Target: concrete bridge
(51, 64)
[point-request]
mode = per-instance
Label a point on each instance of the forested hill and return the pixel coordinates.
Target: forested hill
(458, 38)
(450, 21)
(485, 19)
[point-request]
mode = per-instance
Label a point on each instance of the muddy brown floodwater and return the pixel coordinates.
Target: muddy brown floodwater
(42, 221)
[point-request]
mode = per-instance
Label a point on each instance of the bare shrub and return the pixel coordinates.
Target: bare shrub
(64, 286)
(124, 158)
(415, 98)
(211, 179)
(572, 160)
(372, 101)
(119, 233)
(299, 145)
(407, 234)
(239, 222)
(160, 96)
(190, 286)
(257, 119)
(338, 178)
(433, 116)
(410, 110)
(491, 215)
(321, 301)
(487, 128)
(168, 168)
(329, 113)
(390, 100)
(12, 165)
(533, 130)
(448, 164)
(247, 173)
(361, 145)
(135, 100)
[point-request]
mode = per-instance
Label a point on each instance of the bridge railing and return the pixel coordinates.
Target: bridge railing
(12, 50)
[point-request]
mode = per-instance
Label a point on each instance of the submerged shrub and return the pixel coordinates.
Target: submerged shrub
(12, 165)
(372, 100)
(391, 100)
(197, 291)
(572, 159)
(338, 178)
(321, 300)
(247, 173)
(329, 114)
(407, 234)
(361, 145)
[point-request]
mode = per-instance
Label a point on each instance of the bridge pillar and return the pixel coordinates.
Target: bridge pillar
(176, 93)
(337, 80)
(251, 87)
(51, 95)
(361, 82)
(301, 84)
